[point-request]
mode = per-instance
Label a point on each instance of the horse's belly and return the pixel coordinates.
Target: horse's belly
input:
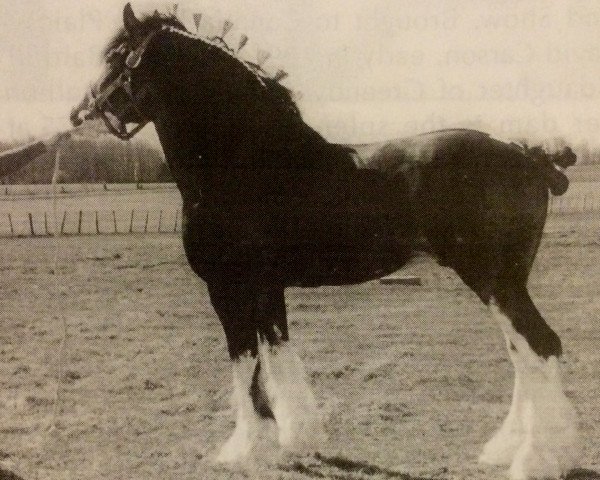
(341, 266)
(346, 231)
(350, 243)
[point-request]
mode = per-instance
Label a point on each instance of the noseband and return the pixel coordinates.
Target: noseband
(111, 114)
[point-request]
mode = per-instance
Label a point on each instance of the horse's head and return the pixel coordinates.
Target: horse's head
(120, 95)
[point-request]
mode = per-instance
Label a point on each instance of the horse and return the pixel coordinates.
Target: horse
(269, 203)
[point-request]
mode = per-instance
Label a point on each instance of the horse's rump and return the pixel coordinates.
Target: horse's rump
(460, 149)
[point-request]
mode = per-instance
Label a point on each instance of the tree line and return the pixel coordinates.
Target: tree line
(587, 155)
(104, 159)
(95, 160)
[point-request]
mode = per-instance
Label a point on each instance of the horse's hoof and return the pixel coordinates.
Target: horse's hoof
(501, 449)
(529, 464)
(299, 424)
(227, 455)
(302, 437)
(230, 455)
(236, 449)
(552, 461)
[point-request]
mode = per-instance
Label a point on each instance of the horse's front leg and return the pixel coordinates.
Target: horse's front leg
(282, 376)
(235, 304)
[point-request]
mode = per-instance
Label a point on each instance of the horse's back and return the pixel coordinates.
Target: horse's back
(393, 156)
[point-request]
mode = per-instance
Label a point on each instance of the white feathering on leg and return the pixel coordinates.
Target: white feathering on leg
(551, 448)
(501, 449)
(292, 401)
(246, 423)
(542, 422)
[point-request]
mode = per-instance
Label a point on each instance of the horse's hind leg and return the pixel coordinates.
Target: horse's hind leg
(538, 438)
(235, 305)
(290, 397)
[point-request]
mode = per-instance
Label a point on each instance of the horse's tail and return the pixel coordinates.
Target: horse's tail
(553, 166)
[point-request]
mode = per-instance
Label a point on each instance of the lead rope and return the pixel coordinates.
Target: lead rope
(52, 428)
(58, 314)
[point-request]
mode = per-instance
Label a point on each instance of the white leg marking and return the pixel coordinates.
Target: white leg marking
(503, 446)
(291, 398)
(551, 448)
(541, 423)
(246, 423)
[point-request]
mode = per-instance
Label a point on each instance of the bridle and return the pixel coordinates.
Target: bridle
(100, 96)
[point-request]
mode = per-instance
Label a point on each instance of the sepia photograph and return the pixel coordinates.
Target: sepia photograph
(300, 239)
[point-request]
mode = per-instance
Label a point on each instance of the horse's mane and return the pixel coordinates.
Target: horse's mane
(150, 22)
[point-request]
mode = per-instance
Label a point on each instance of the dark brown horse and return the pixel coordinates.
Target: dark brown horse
(269, 204)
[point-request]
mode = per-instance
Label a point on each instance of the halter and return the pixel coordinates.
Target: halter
(101, 99)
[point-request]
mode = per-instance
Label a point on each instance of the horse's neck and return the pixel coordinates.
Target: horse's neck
(214, 117)
(269, 144)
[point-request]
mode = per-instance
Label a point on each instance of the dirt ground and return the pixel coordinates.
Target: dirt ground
(411, 381)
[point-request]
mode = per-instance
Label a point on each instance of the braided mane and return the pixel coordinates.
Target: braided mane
(151, 22)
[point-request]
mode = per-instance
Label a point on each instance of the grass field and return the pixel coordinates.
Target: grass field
(584, 173)
(411, 381)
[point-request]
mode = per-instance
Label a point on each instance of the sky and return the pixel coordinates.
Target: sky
(363, 70)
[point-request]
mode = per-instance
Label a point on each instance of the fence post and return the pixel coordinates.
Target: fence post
(46, 223)
(31, 224)
(115, 221)
(176, 218)
(62, 225)
(146, 224)
(159, 220)
(80, 222)
(12, 230)
(131, 222)
(97, 224)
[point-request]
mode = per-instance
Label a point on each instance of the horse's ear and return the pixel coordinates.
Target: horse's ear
(132, 24)
(156, 13)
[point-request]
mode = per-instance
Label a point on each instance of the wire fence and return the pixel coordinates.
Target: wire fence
(69, 221)
(578, 203)
(86, 222)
